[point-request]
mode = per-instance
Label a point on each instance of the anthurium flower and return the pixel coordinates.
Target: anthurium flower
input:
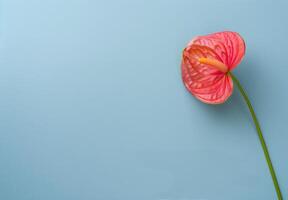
(207, 62)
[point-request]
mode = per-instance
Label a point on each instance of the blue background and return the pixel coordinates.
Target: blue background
(92, 104)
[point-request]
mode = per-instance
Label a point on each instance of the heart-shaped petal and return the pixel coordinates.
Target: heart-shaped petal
(208, 84)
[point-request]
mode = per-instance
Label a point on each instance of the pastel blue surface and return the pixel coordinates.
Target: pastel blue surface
(92, 104)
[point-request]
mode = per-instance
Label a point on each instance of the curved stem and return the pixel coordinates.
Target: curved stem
(260, 135)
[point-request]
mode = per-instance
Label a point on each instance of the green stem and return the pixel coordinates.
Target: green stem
(260, 135)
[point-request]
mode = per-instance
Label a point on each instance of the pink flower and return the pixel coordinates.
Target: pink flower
(206, 71)
(206, 62)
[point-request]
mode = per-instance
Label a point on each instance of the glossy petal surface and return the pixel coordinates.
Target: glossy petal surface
(205, 82)
(229, 46)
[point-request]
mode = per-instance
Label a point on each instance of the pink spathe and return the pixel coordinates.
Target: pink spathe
(206, 62)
